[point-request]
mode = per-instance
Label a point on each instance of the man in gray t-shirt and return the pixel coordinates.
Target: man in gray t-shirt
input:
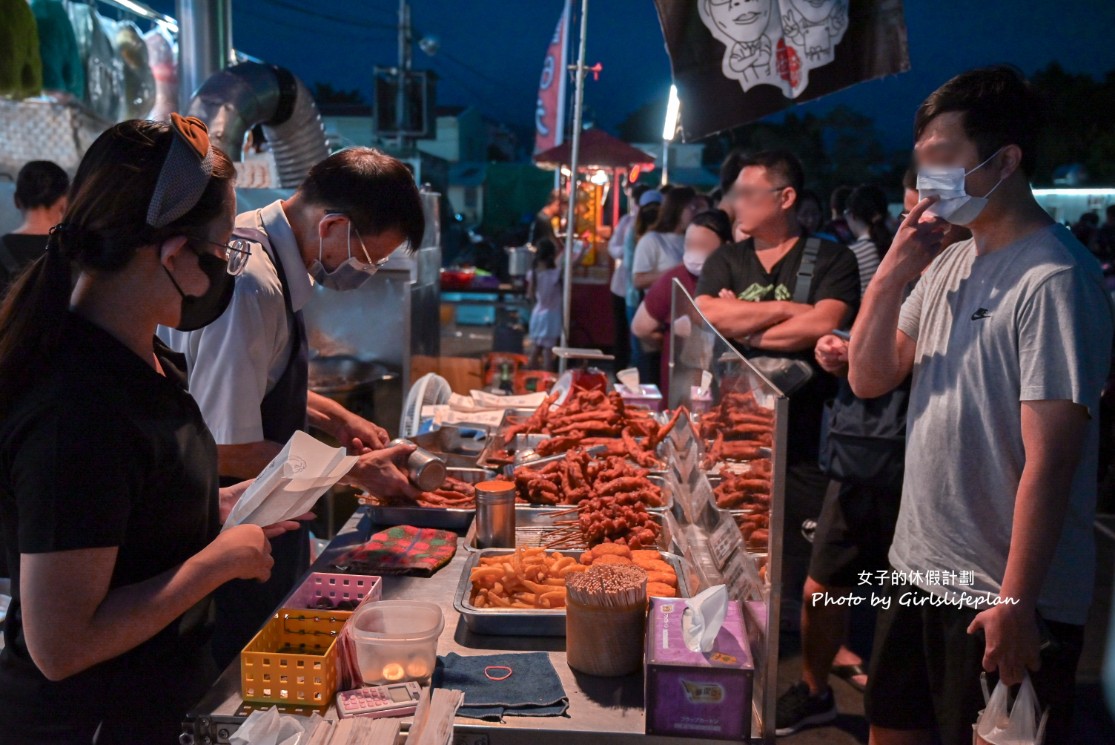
(1008, 336)
(1019, 324)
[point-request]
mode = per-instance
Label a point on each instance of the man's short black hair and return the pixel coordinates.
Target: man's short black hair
(377, 192)
(998, 108)
(910, 178)
(838, 200)
(729, 170)
(784, 167)
(40, 183)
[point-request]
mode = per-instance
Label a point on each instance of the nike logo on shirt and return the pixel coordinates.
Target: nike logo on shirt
(980, 314)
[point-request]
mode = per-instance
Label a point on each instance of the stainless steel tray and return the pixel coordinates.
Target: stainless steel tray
(457, 450)
(526, 622)
(442, 518)
(533, 523)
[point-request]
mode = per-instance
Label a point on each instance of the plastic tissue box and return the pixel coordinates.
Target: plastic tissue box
(697, 694)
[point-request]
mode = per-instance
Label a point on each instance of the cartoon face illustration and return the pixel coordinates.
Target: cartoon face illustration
(736, 20)
(813, 11)
(781, 50)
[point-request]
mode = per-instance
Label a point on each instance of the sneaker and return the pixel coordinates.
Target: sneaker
(798, 709)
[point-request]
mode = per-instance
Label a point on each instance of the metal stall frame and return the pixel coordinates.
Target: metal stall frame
(695, 347)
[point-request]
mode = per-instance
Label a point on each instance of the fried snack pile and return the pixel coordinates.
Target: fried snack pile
(738, 428)
(618, 519)
(580, 476)
(662, 580)
(742, 491)
(529, 578)
(590, 418)
(453, 494)
(755, 529)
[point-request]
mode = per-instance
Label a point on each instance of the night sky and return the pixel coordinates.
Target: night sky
(491, 50)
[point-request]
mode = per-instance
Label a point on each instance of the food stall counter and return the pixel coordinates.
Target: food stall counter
(599, 708)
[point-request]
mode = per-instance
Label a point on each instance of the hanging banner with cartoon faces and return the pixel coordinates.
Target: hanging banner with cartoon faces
(735, 61)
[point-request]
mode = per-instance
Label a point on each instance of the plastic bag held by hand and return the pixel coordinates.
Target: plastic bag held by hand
(1003, 724)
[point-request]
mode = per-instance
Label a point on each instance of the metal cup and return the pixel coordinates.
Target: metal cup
(426, 470)
(495, 514)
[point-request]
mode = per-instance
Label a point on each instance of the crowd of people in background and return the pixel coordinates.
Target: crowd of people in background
(970, 323)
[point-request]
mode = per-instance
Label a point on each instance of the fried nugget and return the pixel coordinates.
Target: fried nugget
(614, 549)
(662, 578)
(659, 590)
(612, 559)
(655, 565)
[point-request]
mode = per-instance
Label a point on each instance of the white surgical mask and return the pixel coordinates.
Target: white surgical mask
(954, 204)
(350, 274)
(694, 261)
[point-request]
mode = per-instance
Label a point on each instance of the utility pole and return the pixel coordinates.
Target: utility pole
(575, 153)
(403, 76)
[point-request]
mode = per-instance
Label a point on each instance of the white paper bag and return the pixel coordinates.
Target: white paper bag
(291, 483)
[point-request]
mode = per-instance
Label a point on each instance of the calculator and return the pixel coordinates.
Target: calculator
(394, 700)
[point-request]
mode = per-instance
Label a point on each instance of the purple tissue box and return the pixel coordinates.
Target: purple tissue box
(649, 397)
(695, 694)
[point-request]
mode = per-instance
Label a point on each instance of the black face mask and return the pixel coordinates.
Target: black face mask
(202, 310)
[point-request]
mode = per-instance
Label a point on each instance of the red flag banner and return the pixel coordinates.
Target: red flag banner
(735, 61)
(549, 114)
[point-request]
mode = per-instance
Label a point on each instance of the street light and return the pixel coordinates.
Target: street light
(669, 130)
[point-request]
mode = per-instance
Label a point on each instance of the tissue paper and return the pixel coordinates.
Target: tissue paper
(629, 377)
(272, 728)
(703, 617)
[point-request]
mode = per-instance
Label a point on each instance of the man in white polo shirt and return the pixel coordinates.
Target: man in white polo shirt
(248, 370)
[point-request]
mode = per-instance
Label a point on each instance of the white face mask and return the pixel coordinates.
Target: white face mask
(955, 204)
(694, 260)
(350, 274)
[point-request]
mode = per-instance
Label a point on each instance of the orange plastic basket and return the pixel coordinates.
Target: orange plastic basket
(293, 659)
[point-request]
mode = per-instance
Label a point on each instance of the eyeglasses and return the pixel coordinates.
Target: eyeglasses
(751, 194)
(236, 253)
(373, 266)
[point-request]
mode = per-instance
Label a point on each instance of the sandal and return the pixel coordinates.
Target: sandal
(849, 673)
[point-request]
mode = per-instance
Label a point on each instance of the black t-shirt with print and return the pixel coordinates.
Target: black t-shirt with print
(835, 277)
(102, 451)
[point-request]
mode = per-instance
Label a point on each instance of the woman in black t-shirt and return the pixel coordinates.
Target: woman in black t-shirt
(109, 500)
(40, 196)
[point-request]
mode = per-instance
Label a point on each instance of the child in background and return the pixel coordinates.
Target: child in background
(544, 287)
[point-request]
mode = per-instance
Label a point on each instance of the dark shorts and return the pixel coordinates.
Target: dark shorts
(925, 671)
(854, 533)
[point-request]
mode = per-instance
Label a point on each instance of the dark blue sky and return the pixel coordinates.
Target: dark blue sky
(491, 50)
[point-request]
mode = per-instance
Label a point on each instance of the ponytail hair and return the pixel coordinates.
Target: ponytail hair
(868, 204)
(104, 225)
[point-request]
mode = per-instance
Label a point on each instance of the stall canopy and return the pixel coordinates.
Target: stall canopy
(598, 150)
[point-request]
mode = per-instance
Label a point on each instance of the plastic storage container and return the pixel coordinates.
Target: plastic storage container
(396, 640)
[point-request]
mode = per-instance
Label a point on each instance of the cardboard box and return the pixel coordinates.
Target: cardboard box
(695, 694)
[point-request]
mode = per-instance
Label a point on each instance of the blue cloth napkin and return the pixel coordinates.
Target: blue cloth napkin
(532, 690)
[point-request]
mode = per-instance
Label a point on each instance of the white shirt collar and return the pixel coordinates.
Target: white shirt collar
(285, 246)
